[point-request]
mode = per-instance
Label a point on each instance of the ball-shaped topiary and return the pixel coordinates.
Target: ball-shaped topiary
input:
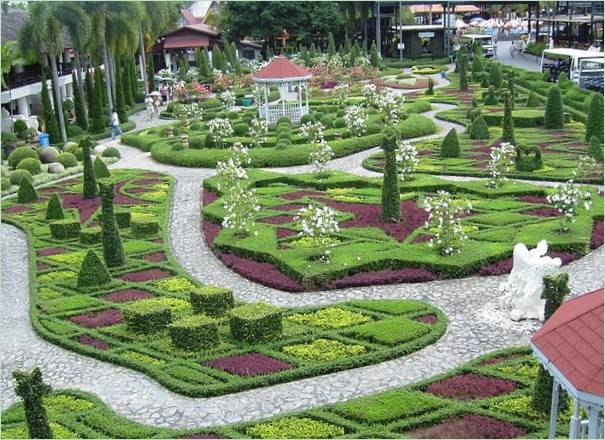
(68, 160)
(20, 128)
(594, 118)
(307, 118)
(450, 146)
(327, 121)
(240, 129)
(19, 154)
(16, 176)
(30, 164)
(111, 152)
(339, 123)
(553, 113)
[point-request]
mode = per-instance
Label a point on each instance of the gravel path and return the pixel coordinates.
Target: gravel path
(477, 324)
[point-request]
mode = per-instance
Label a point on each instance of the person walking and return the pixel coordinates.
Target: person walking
(115, 125)
(156, 109)
(149, 106)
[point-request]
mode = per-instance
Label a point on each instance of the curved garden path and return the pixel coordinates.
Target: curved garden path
(477, 324)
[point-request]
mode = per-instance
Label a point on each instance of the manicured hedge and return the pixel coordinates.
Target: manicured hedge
(65, 229)
(522, 118)
(194, 332)
(212, 300)
(255, 322)
(147, 316)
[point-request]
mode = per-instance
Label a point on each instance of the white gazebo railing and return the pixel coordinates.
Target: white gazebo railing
(293, 110)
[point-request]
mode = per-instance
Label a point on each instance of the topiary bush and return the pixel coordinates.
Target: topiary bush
(143, 224)
(68, 160)
(528, 158)
(17, 175)
(54, 210)
(30, 387)
(339, 123)
(479, 129)
(30, 164)
(90, 235)
(391, 210)
(111, 152)
(594, 118)
(240, 129)
(327, 121)
(307, 118)
(113, 250)
(100, 169)
(147, 316)
(595, 149)
(508, 125)
(255, 322)
(553, 113)
(20, 128)
(26, 193)
(450, 146)
(79, 153)
(194, 332)
(20, 154)
(65, 229)
(495, 76)
(490, 97)
(93, 272)
(211, 300)
(532, 100)
(90, 182)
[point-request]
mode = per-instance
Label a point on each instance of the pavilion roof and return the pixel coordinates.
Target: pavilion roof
(438, 9)
(281, 68)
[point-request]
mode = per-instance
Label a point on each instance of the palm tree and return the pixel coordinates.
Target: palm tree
(42, 34)
(10, 57)
(365, 8)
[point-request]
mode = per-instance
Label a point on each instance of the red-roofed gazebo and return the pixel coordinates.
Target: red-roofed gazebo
(570, 347)
(291, 80)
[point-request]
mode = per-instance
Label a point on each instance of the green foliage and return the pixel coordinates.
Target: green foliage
(528, 158)
(30, 164)
(508, 125)
(90, 182)
(391, 307)
(93, 272)
(31, 388)
(490, 97)
(331, 45)
(194, 332)
(479, 129)
(477, 66)
(65, 229)
(78, 103)
(97, 113)
(68, 160)
(211, 300)
(150, 72)
(553, 113)
(20, 154)
(391, 211)
(54, 210)
(20, 128)
(595, 149)
(330, 317)
(144, 224)
(90, 235)
(5, 183)
(390, 331)
(374, 55)
(17, 175)
(322, 350)
(100, 169)
(147, 316)
(532, 100)
(113, 250)
(295, 428)
(450, 146)
(49, 116)
(255, 322)
(120, 104)
(111, 152)
(594, 118)
(26, 193)
(495, 76)
(462, 62)
(429, 90)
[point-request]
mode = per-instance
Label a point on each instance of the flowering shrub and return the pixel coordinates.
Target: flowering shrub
(342, 91)
(389, 105)
(407, 159)
(444, 222)
(321, 153)
(187, 114)
(566, 198)
(587, 166)
(369, 93)
(246, 81)
(471, 386)
(313, 131)
(250, 364)
(258, 94)
(166, 73)
(228, 97)
(258, 132)
(356, 119)
(219, 129)
(501, 161)
(191, 74)
(317, 223)
(293, 427)
(470, 426)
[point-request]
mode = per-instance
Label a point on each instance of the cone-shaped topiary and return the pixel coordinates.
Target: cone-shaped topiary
(463, 74)
(532, 100)
(484, 80)
(54, 210)
(508, 125)
(429, 90)
(90, 183)
(553, 113)
(374, 55)
(495, 76)
(594, 118)
(450, 146)
(595, 149)
(477, 66)
(331, 45)
(26, 193)
(93, 272)
(479, 129)
(391, 211)
(490, 97)
(555, 290)
(32, 389)
(100, 169)
(113, 251)
(511, 88)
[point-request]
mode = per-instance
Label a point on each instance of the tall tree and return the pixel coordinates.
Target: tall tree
(120, 101)
(9, 58)
(97, 118)
(89, 89)
(79, 105)
(365, 10)
(150, 80)
(31, 388)
(50, 119)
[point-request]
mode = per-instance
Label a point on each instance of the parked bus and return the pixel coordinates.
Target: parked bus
(583, 67)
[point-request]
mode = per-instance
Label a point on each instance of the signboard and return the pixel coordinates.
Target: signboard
(400, 46)
(426, 34)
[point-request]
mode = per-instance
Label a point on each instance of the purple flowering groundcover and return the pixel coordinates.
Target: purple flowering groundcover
(251, 364)
(470, 386)
(98, 319)
(470, 426)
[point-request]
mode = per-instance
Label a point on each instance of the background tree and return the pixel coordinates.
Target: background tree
(97, 122)
(391, 210)
(331, 45)
(594, 118)
(31, 388)
(407, 16)
(90, 183)
(120, 100)
(374, 56)
(50, 119)
(79, 105)
(553, 112)
(9, 58)
(462, 61)
(150, 83)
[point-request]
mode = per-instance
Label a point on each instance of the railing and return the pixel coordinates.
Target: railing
(292, 111)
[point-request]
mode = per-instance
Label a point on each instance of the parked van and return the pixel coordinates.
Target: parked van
(486, 41)
(584, 67)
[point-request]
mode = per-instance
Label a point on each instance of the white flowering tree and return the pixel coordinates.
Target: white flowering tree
(407, 159)
(228, 98)
(567, 197)
(258, 132)
(369, 93)
(389, 104)
(321, 153)
(191, 74)
(313, 131)
(444, 222)
(342, 92)
(219, 130)
(356, 119)
(258, 95)
(317, 224)
(587, 166)
(501, 161)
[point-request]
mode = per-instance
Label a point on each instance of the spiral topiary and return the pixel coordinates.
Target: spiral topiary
(391, 210)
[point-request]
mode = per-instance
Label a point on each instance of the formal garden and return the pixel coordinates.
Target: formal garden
(401, 178)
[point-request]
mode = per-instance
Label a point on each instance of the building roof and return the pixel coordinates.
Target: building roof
(572, 341)
(281, 68)
(189, 18)
(438, 9)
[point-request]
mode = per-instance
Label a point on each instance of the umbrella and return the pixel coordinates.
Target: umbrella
(460, 24)
(155, 93)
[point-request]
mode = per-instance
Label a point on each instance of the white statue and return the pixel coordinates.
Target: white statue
(524, 287)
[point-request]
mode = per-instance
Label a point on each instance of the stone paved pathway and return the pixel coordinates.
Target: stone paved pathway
(467, 303)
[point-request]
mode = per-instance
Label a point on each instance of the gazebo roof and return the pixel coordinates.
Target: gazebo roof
(572, 341)
(280, 69)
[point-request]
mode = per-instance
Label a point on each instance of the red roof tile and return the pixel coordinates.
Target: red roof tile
(281, 68)
(572, 339)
